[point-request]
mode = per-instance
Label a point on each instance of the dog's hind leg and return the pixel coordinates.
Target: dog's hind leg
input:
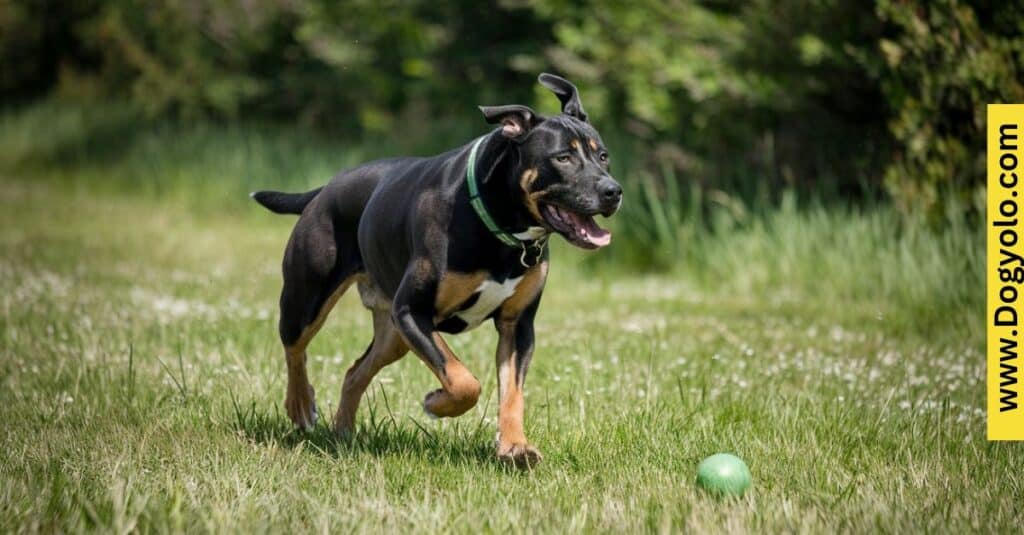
(319, 266)
(386, 348)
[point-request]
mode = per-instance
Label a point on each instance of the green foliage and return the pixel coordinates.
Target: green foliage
(827, 97)
(945, 61)
(356, 66)
(651, 61)
(722, 92)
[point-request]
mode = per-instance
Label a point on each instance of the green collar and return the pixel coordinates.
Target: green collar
(478, 203)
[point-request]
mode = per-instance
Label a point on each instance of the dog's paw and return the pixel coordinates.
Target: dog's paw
(344, 432)
(344, 422)
(520, 455)
(443, 403)
(302, 410)
(428, 402)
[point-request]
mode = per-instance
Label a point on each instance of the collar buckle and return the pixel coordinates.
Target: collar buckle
(538, 246)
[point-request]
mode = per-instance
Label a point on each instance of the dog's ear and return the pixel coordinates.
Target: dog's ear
(566, 92)
(516, 120)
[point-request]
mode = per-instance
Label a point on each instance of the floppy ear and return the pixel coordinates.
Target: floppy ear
(566, 92)
(516, 120)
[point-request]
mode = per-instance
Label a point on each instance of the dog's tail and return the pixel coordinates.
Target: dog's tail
(285, 203)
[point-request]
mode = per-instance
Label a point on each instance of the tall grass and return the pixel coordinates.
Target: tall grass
(834, 250)
(913, 273)
(110, 148)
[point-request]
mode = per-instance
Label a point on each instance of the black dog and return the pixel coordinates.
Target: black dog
(439, 245)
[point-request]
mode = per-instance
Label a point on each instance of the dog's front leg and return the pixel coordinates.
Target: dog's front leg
(413, 315)
(515, 349)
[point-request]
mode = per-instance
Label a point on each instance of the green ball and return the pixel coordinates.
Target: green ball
(723, 474)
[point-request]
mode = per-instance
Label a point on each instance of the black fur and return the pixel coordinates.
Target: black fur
(404, 224)
(285, 203)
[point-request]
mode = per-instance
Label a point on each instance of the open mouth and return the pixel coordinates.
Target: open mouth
(579, 229)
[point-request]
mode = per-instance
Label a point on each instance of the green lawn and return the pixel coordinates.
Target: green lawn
(143, 381)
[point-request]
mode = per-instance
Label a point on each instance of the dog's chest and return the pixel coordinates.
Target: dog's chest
(489, 296)
(474, 307)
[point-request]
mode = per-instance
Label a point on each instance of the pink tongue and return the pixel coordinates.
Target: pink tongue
(588, 230)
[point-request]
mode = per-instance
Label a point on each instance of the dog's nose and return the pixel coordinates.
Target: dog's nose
(610, 191)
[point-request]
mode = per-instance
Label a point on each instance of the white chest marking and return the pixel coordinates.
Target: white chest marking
(492, 295)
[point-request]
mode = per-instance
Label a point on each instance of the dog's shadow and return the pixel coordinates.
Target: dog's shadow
(381, 435)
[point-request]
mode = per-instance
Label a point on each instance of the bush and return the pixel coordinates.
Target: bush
(945, 61)
(827, 98)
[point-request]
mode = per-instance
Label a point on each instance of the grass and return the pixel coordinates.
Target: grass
(836, 351)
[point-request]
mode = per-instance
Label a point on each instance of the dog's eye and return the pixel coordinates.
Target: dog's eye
(563, 158)
(603, 156)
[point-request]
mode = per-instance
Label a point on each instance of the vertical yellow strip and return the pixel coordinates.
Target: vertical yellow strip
(1005, 271)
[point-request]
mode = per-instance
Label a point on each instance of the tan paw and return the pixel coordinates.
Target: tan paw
(430, 401)
(521, 455)
(302, 409)
(443, 404)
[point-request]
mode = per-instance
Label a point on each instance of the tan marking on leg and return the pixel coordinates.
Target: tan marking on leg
(453, 290)
(592, 143)
(300, 398)
(387, 347)
(526, 292)
(459, 389)
(512, 446)
(510, 415)
(310, 331)
(510, 396)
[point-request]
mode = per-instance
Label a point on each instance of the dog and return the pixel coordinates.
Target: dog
(440, 244)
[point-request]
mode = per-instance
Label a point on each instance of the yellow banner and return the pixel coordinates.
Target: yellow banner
(1005, 271)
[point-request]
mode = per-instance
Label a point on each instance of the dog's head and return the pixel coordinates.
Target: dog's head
(561, 168)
